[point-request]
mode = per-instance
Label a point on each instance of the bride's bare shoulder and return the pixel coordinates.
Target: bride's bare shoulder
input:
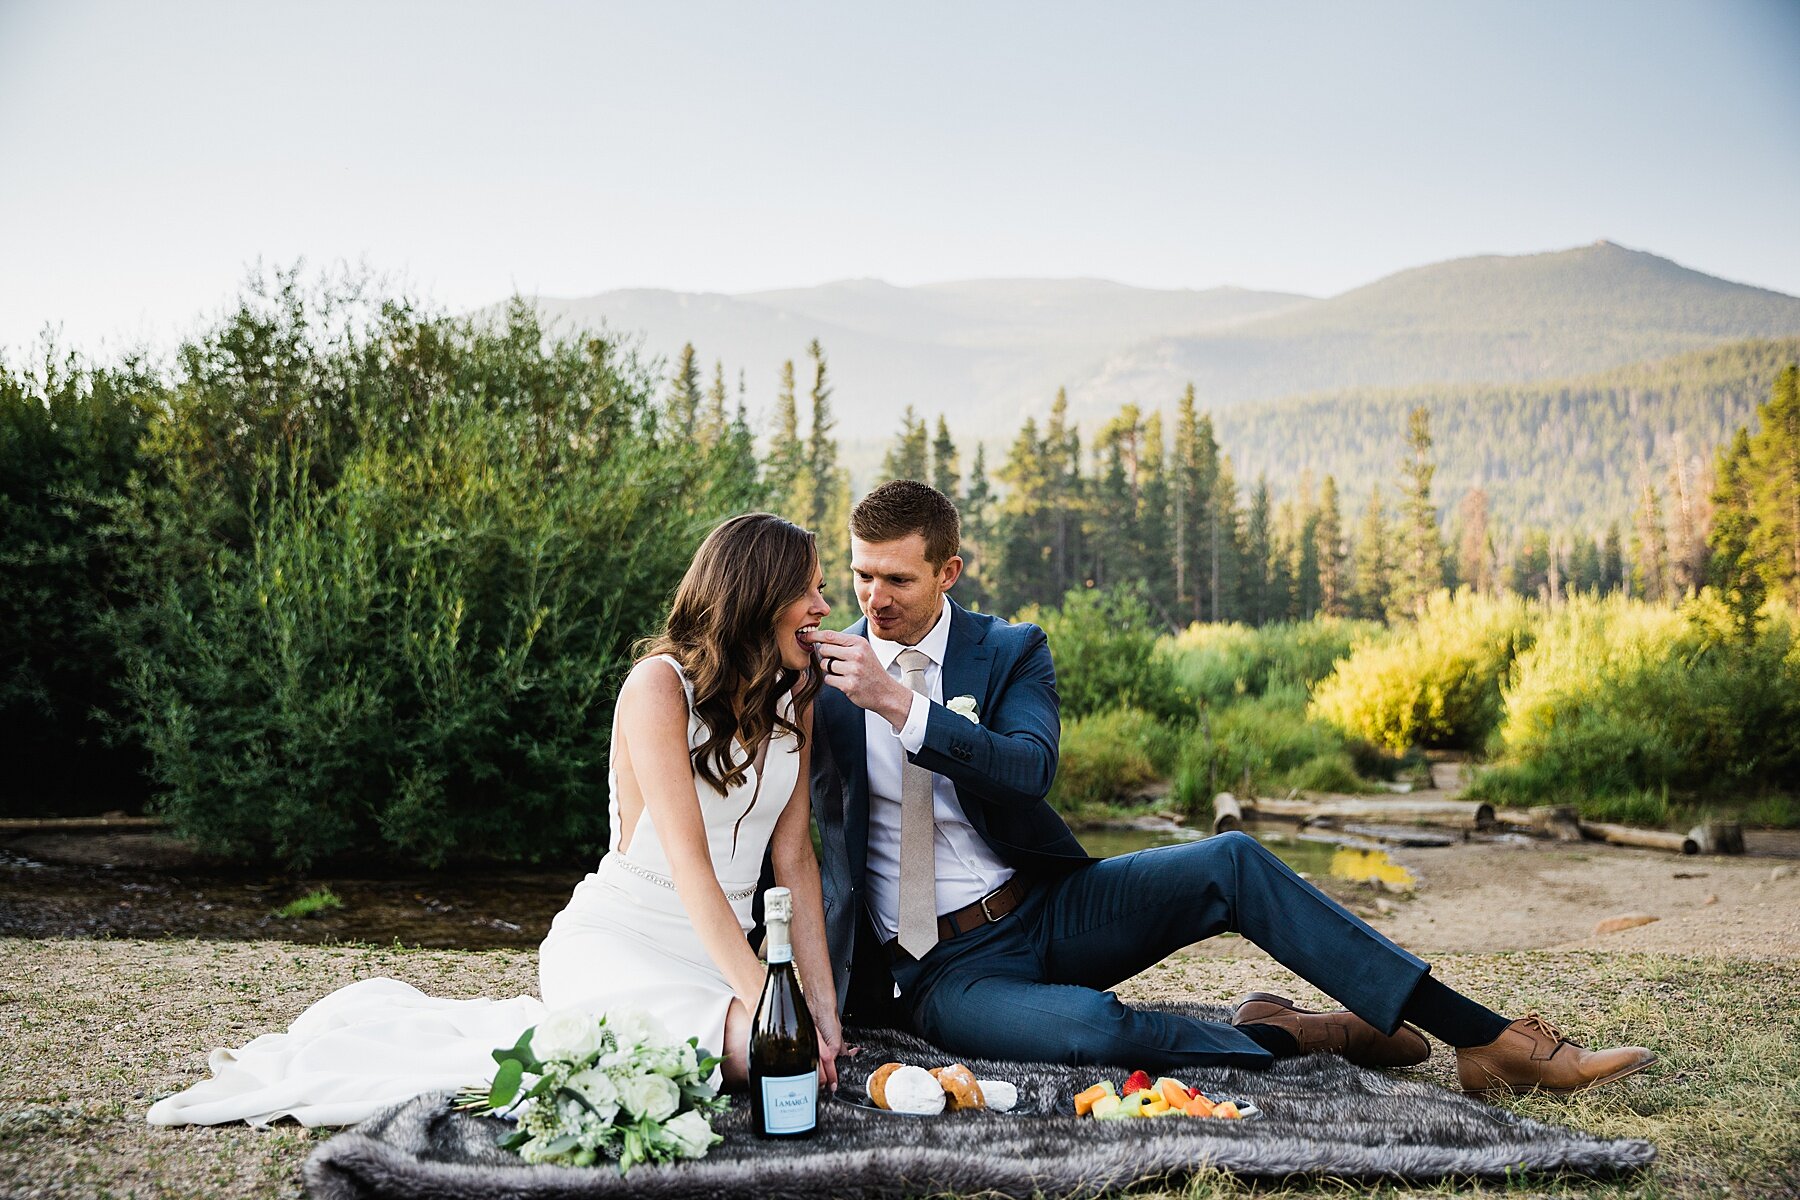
(653, 681)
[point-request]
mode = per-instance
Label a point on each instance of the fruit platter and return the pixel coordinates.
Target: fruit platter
(1140, 1096)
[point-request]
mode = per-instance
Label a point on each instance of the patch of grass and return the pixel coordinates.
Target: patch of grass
(1719, 1106)
(310, 905)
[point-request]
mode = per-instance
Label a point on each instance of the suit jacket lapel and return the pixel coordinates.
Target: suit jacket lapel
(967, 660)
(850, 739)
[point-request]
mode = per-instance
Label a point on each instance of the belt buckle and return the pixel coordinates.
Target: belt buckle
(991, 918)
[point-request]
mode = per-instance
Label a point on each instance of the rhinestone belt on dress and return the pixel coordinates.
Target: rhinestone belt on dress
(665, 881)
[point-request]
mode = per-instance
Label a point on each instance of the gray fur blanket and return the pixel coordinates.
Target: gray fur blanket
(1321, 1116)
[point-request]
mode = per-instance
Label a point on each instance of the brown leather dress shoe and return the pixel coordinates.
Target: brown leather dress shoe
(1339, 1032)
(1532, 1055)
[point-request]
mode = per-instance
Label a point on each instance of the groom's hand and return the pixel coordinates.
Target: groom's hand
(851, 667)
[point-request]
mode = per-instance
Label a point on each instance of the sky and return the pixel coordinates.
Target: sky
(152, 154)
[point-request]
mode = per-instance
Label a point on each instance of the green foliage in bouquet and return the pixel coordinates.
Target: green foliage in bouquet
(1435, 683)
(614, 1087)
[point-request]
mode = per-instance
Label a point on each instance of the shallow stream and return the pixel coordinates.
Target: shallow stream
(135, 886)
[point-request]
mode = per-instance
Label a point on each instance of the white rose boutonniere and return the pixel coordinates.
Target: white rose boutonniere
(964, 706)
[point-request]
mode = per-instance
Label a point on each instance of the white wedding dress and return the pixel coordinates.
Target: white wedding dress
(623, 939)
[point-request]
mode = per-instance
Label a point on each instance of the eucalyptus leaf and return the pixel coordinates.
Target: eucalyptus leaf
(563, 1144)
(506, 1083)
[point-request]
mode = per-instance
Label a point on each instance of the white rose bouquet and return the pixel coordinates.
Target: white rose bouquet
(616, 1087)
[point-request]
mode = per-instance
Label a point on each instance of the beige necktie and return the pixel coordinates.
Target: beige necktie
(918, 854)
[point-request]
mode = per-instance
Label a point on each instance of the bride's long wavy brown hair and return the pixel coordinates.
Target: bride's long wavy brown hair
(721, 629)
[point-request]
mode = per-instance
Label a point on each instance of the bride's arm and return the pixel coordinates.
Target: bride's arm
(653, 716)
(797, 869)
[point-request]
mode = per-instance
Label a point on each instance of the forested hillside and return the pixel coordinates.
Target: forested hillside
(1488, 319)
(1573, 453)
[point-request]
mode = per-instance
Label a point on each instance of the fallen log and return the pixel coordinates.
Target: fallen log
(1719, 837)
(25, 825)
(1389, 809)
(1227, 813)
(1647, 839)
(1404, 835)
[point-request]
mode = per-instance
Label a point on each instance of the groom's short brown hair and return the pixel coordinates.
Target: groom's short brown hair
(903, 506)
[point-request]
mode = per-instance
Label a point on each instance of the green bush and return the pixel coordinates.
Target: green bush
(1105, 643)
(1271, 740)
(1620, 703)
(399, 630)
(1109, 757)
(1432, 684)
(1222, 663)
(69, 447)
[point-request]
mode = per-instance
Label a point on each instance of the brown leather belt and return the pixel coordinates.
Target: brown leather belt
(985, 911)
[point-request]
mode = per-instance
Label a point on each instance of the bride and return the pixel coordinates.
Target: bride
(709, 771)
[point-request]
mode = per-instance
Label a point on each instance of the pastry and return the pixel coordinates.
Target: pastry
(960, 1085)
(878, 1083)
(1000, 1095)
(913, 1090)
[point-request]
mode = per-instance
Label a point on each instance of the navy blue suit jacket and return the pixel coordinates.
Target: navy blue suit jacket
(1001, 767)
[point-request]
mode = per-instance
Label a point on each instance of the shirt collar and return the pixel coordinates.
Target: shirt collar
(932, 645)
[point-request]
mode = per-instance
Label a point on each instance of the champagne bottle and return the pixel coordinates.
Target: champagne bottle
(784, 1050)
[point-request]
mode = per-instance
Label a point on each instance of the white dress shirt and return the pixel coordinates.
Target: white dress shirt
(967, 869)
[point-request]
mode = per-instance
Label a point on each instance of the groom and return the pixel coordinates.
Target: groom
(957, 900)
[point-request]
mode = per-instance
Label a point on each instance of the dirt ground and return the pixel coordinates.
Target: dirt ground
(1482, 898)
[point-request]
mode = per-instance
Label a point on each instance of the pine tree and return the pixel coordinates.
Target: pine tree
(714, 422)
(1066, 495)
(1373, 586)
(1257, 583)
(974, 588)
(946, 475)
(1225, 546)
(1584, 566)
(1689, 517)
(1115, 535)
(743, 448)
(907, 458)
(1474, 542)
(684, 393)
(1530, 572)
(828, 510)
(1024, 573)
(1612, 561)
(1419, 571)
(786, 459)
(1648, 548)
(1329, 549)
(1303, 561)
(1775, 487)
(1733, 567)
(1194, 461)
(1156, 550)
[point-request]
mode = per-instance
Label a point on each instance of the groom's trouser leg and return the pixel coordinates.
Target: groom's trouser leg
(985, 994)
(1107, 922)
(1033, 987)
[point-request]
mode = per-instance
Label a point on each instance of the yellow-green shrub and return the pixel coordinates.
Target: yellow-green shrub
(1435, 683)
